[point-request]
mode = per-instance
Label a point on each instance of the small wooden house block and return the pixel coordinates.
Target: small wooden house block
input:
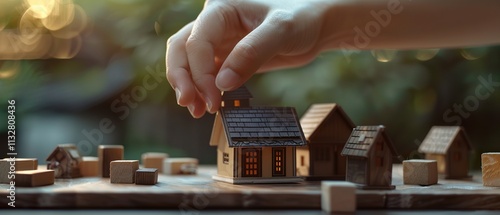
(154, 160)
(450, 147)
(326, 128)
(370, 153)
(34, 178)
(490, 164)
(338, 196)
(65, 161)
(123, 171)
(106, 154)
(420, 172)
(18, 164)
(146, 176)
(180, 166)
(255, 144)
(89, 166)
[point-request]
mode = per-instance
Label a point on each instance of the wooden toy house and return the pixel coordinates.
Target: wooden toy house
(255, 144)
(369, 154)
(64, 160)
(450, 147)
(326, 128)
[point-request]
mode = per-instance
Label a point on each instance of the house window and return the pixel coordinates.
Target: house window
(278, 161)
(236, 103)
(225, 158)
(302, 161)
(251, 161)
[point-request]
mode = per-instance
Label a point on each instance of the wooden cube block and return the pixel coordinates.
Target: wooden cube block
(11, 165)
(34, 178)
(490, 164)
(154, 160)
(106, 154)
(123, 171)
(89, 166)
(420, 172)
(180, 166)
(338, 196)
(146, 176)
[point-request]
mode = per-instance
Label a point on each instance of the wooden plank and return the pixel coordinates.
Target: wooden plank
(187, 192)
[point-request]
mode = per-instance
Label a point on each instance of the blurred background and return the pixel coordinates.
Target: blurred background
(93, 72)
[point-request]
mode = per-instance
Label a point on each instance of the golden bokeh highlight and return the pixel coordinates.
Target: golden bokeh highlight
(426, 54)
(46, 29)
(40, 9)
(61, 16)
(384, 55)
(8, 69)
(75, 28)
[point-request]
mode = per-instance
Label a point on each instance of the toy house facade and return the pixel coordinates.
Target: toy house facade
(326, 128)
(369, 153)
(255, 144)
(450, 147)
(64, 160)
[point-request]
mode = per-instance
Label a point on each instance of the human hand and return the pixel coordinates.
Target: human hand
(231, 40)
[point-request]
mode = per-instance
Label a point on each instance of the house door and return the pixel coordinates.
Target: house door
(251, 162)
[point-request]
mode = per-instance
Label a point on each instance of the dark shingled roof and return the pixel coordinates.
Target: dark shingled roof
(240, 93)
(440, 138)
(363, 138)
(262, 126)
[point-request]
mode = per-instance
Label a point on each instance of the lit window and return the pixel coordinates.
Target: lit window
(279, 162)
(236, 103)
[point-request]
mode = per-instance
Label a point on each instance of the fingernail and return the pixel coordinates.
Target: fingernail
(227, 79)
(209, 104)
(177, 95)
(191, 110)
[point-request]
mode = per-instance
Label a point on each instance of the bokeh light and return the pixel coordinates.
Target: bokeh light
(384, 55)
(426, 54)
(46, 29)
(8, 68)
(473, 53)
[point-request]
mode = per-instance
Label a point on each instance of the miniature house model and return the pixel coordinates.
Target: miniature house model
(255, 144)
(64, 160)
(326, 128)
(450, 147)
(369, 154)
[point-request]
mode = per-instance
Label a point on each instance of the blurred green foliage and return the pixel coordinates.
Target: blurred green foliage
(124, 40)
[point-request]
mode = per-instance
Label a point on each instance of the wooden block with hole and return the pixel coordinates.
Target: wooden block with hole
(146, 176)
(89, 166)
(11, 165)
(123, 171)
(420, 172)
(180, 166)
(34, 178)
(338, 196)
(490, 165)
(154, 160)
(106, 154)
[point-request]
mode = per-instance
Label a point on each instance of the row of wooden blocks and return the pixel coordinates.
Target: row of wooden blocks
(425, 172)
(24, 172)
(100, 166)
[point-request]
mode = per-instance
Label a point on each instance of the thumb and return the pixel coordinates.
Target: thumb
(253, 51)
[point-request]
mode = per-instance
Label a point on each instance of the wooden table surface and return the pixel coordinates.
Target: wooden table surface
(199, 192)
